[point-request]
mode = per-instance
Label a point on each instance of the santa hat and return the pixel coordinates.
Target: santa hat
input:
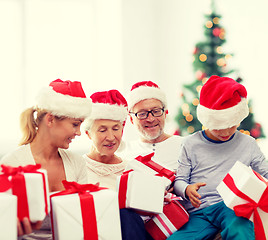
(145, 90)
(223, 103)
(64, 98)
(108, 105)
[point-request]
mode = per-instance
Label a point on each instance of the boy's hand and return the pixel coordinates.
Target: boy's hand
(191, 192)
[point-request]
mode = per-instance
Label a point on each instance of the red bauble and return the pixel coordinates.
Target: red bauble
(256, 133)
(200, 75)
(216, 32)
(196, 50)
(177, 132)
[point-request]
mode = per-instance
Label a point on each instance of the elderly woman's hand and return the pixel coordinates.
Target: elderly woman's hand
(26, 227)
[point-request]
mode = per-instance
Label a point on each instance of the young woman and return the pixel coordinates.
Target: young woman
(48, 129)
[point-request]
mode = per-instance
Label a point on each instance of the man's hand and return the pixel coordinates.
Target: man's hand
(26, 227)
(191, 192)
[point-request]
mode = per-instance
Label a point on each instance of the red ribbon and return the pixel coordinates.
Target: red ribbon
(87, 206)
(5, 184)
(17, 183)
(122, 191)
(11, 171)
(247, 209)
(163, 172)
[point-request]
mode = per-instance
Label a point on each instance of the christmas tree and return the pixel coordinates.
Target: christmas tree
(209, 59)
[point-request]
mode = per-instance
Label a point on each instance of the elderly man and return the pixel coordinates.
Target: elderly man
(148, 110)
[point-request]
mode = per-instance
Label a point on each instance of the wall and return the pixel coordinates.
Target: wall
(114, 43)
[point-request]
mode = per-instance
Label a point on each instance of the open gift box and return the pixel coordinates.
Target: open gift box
(145, 164)
(141, 191)
(246, 192)
(85, 212)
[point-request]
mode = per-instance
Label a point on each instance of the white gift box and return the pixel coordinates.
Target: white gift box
(37, 195)
(249, 183)
(67, 217)
(141, 191)
(8, 216)
(32, 188)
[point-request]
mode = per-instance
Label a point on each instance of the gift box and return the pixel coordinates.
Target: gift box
(161, 226)
(147, 165)
(8, 216)
(246, 192)
(141, 191)
(85, 212)
(30, 185)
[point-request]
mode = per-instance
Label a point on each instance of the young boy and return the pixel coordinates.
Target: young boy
(208, 155)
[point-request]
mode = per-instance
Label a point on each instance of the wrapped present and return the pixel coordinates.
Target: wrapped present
(246, 192)
(147, 165)
(8, 216)
(86, 212)
(30, 185)
(161, 226)
(141, 191)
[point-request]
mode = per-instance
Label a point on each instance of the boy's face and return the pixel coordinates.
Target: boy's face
(221, 134)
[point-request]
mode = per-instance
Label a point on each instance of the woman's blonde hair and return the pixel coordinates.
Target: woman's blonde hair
(29, 124)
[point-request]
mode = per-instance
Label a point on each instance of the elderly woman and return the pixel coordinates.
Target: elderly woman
(104, 128)
(48, 129)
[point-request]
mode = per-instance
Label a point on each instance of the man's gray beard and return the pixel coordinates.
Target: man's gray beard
(149, 137)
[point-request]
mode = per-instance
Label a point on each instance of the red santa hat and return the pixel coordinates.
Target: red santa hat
(223, 103)
(64, 98)
(108, 105)
(145, 90)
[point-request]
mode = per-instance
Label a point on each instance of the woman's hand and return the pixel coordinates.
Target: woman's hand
(26, 227)
(191, 192)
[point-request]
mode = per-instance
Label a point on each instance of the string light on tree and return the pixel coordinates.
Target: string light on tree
(203, 57)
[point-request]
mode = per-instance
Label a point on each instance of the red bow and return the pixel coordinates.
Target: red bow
(147, 160)
(11, 171)
(17, 183)
(247, 209)
(74, 187)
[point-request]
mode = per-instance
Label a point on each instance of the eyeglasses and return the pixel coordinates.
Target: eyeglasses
(156, 112)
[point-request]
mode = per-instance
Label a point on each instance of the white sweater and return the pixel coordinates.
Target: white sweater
(105, 174)
(166, 153)
(74, 165)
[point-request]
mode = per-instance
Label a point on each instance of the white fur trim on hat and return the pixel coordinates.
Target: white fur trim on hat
(145, 92)
(63, 105)
(109, 111)
(106, 111)
(225, 118)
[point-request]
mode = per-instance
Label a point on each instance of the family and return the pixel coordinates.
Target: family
(200, 161)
